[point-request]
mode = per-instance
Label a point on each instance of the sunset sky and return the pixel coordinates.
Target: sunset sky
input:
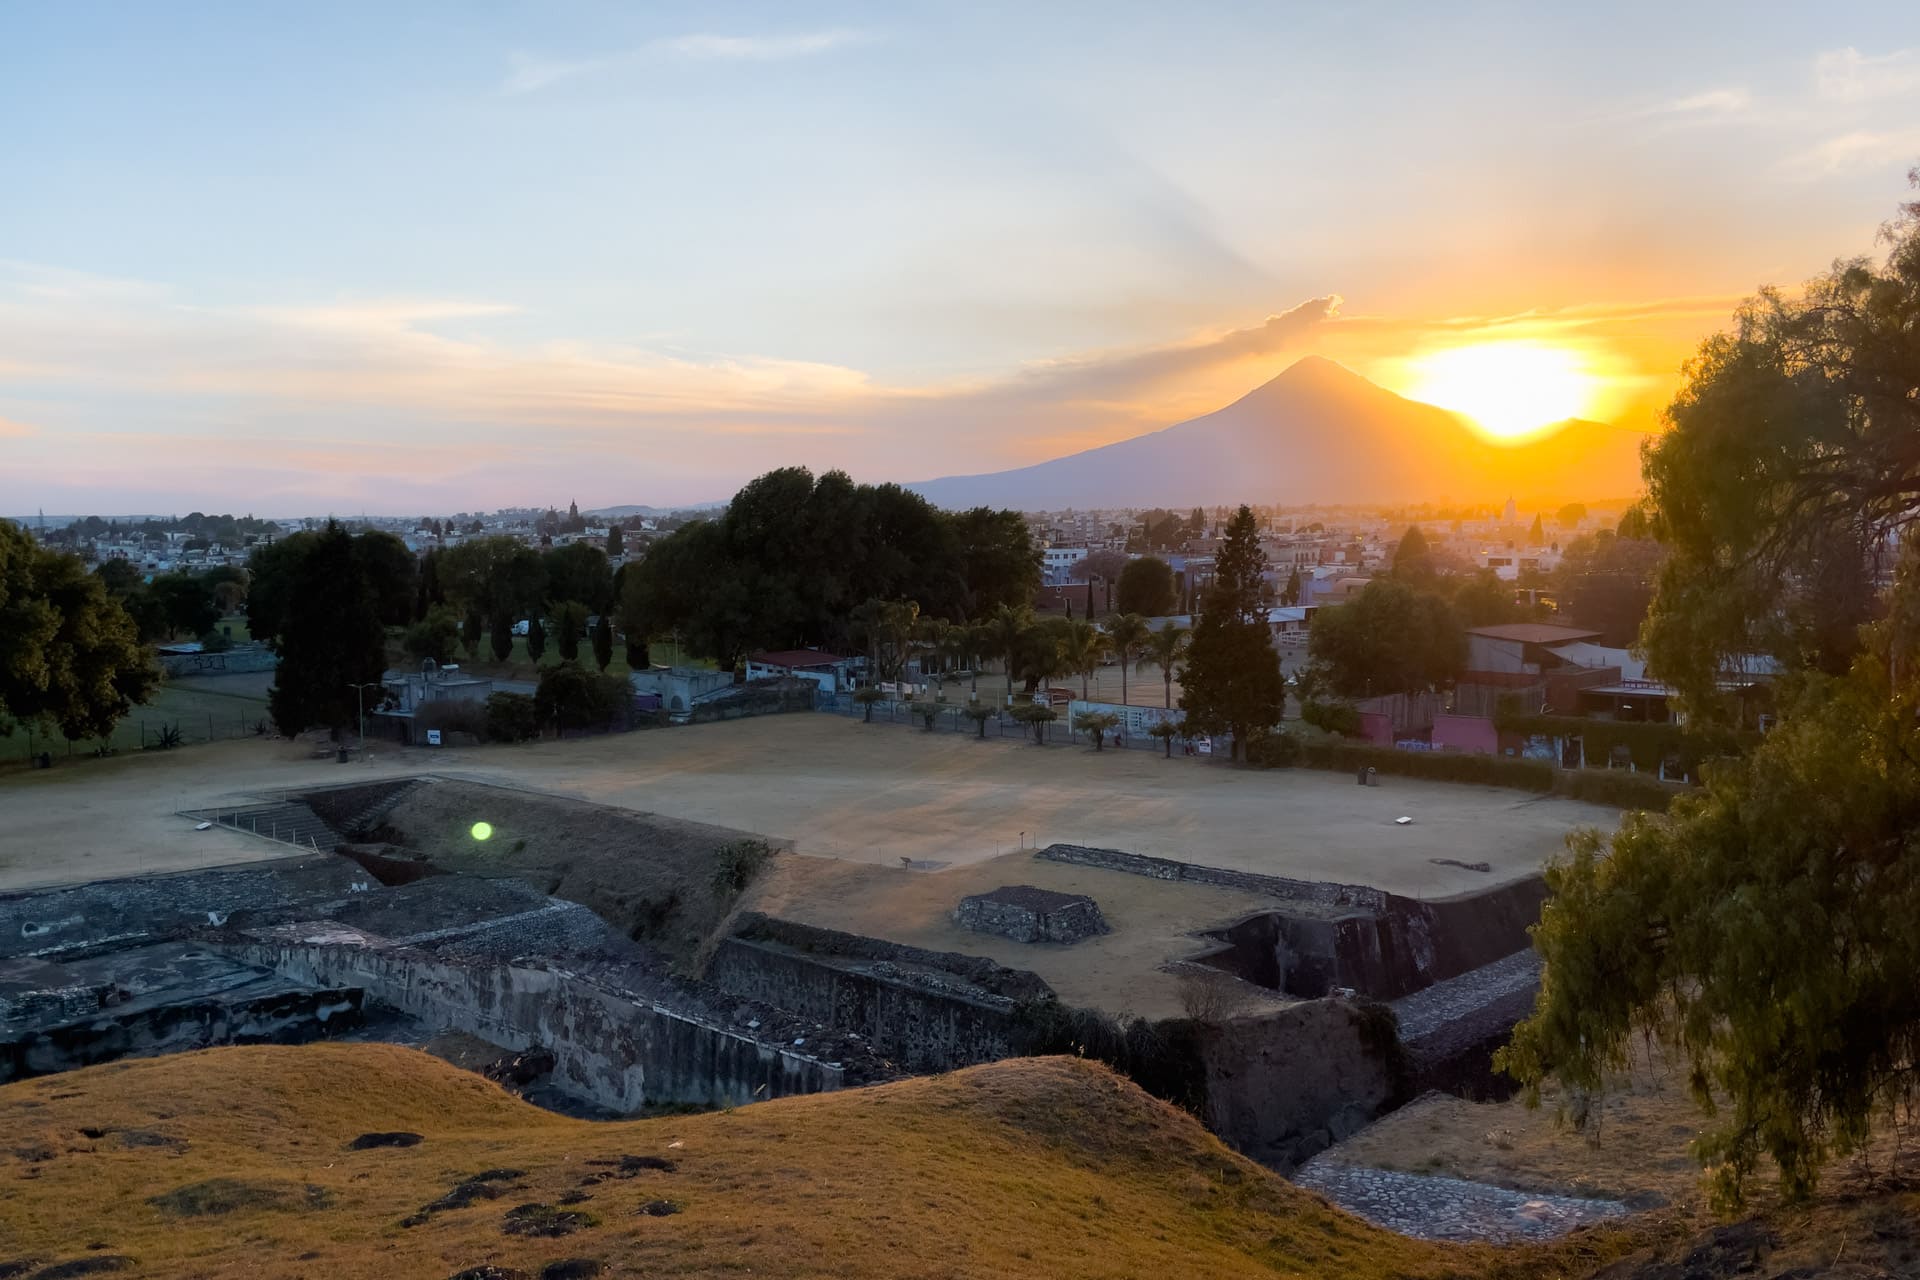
(432, 257)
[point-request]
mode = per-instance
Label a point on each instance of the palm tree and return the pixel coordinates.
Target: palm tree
(1126, 632)
(1165, 647)
(978, 640)
(1004, 631)
(1082, 645)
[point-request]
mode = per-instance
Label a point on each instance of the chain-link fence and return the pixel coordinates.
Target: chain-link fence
(955, 718)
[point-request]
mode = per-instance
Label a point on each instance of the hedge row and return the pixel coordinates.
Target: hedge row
(1600, 786)
(1647, 744)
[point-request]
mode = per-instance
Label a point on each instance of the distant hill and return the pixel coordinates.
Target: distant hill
(621, 513)
(1318, 432)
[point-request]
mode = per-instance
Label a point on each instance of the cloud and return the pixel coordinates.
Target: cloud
(1854, 152)
(11, 430)
(1847, 75)
(529, 73)
(1710, 104)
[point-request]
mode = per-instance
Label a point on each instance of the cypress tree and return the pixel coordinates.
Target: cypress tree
(1232, 679)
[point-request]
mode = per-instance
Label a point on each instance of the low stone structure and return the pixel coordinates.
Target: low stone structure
(1027, 914)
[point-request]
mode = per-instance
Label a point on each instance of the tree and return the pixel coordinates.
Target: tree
(603, 642)
(1764, 930)
(1146, 588)
(1481, 599)
(427, 592)
(1605, 581)
(1126, 634)
(1000, 564)
(332, 639)
(70, 656)
(980, 713)
(866, 696)
(571, 697)
(1571, 515)
(1390, 638)
(1291, 595)
(272, 566)
(1082, 646)
(1003, 635)
(1036, 716)
(536, 640)
(1232, 679)
(1096, 725)
(434, 636)
(186, 602)
(616, 542)
(498, 577)
(1413, 558)
(1166, 731)
(569, 623)
(580, 572)
(390, 572)
(500, 634)
(473, 633)
(1165, 647)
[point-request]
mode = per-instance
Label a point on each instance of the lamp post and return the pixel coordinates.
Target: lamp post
(360, 704)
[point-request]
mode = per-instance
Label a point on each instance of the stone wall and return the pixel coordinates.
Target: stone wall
(1026, 914)
(610, 1045)
(239, 660)
(926, 1010)
(1286, 1085)
(1325, 936)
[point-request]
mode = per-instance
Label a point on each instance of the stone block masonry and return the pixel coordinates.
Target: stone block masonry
(1026, 914)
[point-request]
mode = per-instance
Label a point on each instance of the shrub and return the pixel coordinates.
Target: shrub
(1616, 787)
(512, 717)
(736, 865)
(1442, 766)
(215, 641)
(1342, 718)
(1274, 751)
(1645, 743)
(572, 697)
(452, 715)
(929, 712)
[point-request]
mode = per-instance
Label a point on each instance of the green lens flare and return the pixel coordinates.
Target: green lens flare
(483, 831)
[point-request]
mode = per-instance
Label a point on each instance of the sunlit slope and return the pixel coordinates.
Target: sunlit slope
(237, 1163)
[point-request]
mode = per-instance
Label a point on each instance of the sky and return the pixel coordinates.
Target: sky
(436, 257)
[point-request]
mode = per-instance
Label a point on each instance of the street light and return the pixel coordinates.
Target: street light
(360, 704)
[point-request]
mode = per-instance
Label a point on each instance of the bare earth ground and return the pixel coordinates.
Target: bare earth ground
(835, 787)
(1153, 921)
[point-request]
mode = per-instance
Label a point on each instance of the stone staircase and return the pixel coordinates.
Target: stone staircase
(289, 822)
(379, 806)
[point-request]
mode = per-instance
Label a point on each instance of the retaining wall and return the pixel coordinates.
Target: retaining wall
(609, 1045)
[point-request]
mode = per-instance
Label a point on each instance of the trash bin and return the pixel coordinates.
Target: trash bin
(345, 755)
(1364, 771)
(46, 760)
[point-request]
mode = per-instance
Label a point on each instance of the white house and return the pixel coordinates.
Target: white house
(833, 673)
(1058, 563)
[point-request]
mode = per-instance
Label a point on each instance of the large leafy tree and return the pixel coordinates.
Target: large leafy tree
(70, 657)
(579, 571)
(1605, 581)
(1146, 588)
(1390, 638)
(1232, 679)
(391, 573)
(186, 602)
(497, 577)
(1764, 927)
(1793, 453)
(330, 638)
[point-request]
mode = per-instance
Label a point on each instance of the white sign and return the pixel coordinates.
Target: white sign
(433, 737)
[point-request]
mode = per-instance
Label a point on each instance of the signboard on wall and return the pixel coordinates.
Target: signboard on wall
(433, 737)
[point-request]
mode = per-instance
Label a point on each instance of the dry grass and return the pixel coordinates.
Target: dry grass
(1046, 1167)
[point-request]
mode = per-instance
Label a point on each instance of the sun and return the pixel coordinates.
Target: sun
(1511, 390)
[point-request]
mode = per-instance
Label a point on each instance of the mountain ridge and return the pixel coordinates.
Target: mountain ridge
(1315, 432)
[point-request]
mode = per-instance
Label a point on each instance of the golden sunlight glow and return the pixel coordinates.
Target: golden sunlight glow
(1511, 389)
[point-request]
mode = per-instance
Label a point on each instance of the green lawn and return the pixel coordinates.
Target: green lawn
(518, 666)
(200, 713)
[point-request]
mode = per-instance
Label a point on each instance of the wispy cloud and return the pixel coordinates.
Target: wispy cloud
(1847, 75)
(529, 73)
(11, 430)
(1858, 151)
(1709, 104)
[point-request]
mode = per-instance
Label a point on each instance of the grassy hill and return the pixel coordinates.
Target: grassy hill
(241, 1162)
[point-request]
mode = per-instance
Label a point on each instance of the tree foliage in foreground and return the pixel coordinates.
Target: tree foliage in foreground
(1794, 451)
(1765, 927)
